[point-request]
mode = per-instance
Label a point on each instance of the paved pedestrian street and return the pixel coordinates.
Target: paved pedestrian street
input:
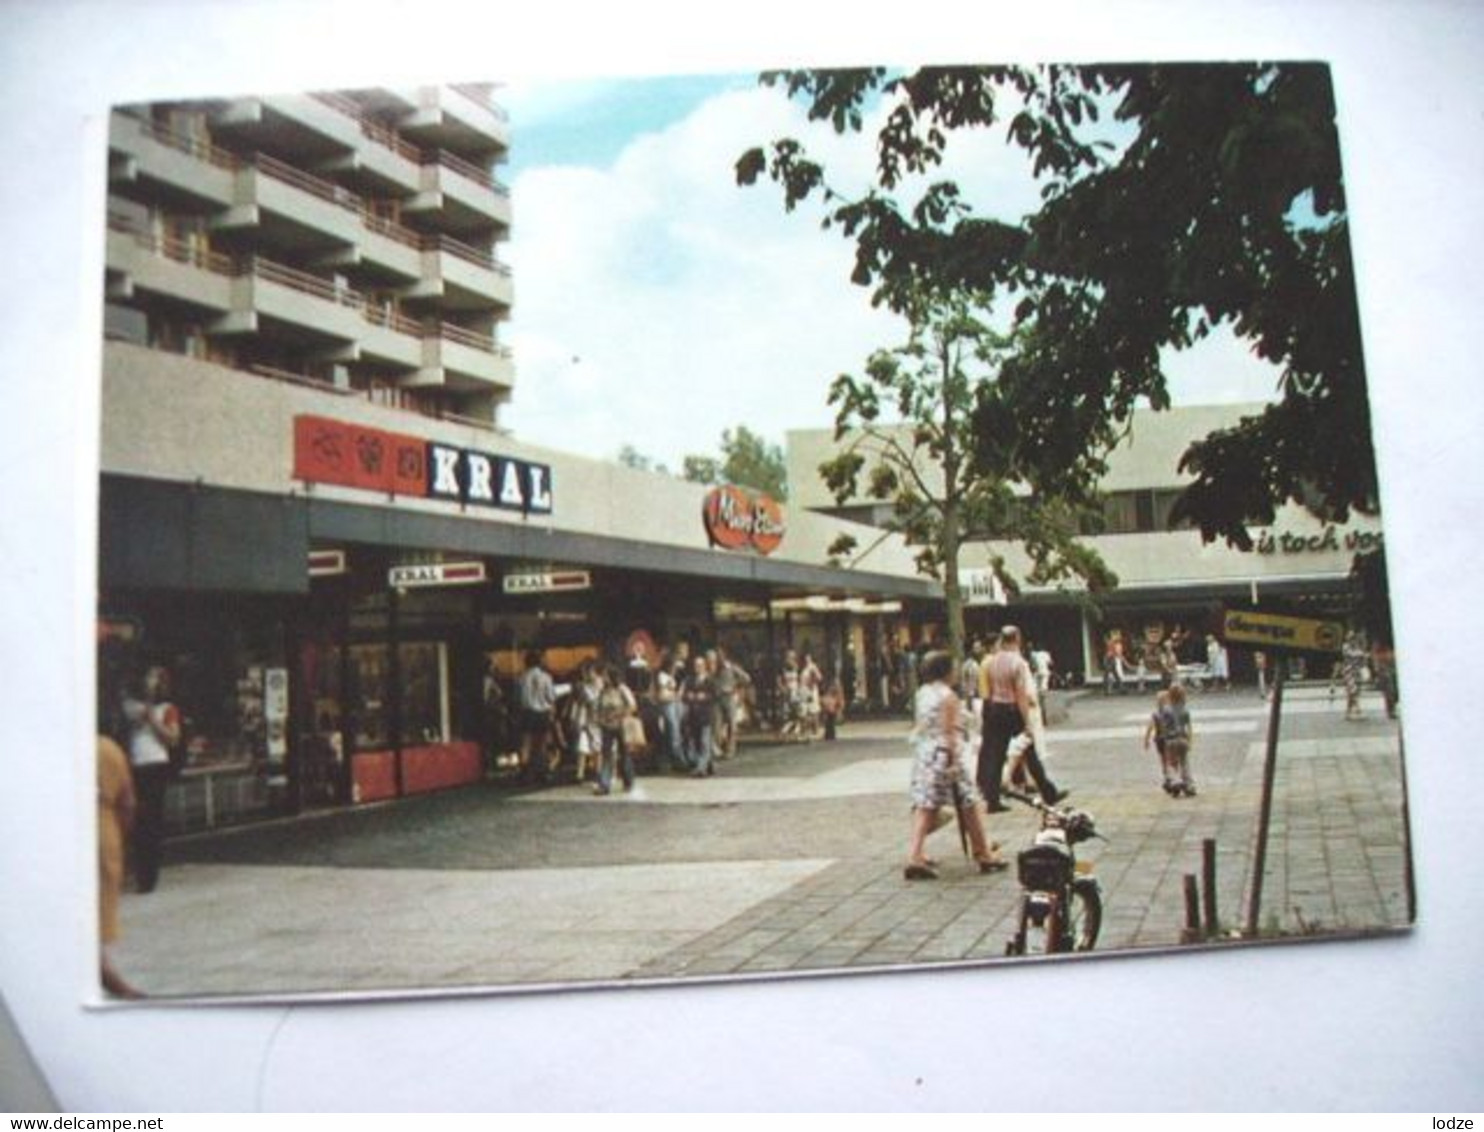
(789, 860)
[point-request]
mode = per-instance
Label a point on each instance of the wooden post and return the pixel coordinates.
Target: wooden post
(1265, 814)
(1208, 882)
(1192, 910)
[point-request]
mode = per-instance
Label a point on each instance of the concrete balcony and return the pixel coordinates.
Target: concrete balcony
(390, 339)
(305, 126)
(142, 152)
(289, 208)
(459, 358)
(462, 117)
(390, 247)
(377, 156)
(462, 278)
(316, 307)
(139, 261)
(459, 196)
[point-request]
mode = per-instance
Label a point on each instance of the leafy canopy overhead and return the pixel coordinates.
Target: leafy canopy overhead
(1222, 204)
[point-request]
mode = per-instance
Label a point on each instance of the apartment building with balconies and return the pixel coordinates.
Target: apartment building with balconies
(347, 239)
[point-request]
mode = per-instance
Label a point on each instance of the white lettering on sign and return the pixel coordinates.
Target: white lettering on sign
(446, 472)
(511, 494)
(481, 478)
(540, 492)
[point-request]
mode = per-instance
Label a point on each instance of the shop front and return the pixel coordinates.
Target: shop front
(326, 653)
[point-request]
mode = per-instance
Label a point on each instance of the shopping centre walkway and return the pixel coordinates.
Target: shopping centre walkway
(788, 861)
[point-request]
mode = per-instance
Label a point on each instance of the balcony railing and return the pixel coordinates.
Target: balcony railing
(480, 95)
(390, 229)
(380, 134)
(473, 339)
(176, 248)
(291, 378)
(375, 311)
(380, 393)
(468, 252)
(307, 182)
(465, 168)
(380, 314)
(301, 281)
(189, 144)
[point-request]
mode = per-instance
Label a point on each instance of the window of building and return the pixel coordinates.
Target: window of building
(1139, 512)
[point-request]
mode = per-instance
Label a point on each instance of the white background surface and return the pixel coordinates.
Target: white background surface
(1391, 1024)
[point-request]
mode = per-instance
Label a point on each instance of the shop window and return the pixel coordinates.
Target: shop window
(424, 692)
(424, 699)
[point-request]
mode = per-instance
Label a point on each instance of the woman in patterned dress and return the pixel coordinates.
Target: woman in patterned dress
(940, 776)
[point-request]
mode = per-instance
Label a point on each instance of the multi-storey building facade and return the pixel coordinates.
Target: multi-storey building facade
(348, 239)
(308, 510)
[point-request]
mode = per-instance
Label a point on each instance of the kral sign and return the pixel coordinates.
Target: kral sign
(547, 581)
(436, 574)
(353, 455)
(736, 519)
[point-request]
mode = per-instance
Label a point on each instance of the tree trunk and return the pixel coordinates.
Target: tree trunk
(953, 597)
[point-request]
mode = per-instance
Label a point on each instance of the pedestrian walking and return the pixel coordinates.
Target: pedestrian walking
(154, 734)
(730, 681)
(791, 695)
(1217, 664)
(1353, 654)
(116, 807)
(587, 736)
(616, 703)
(1172, 732)
(811, 685)
(667, 679)
(538, 698)
(697, 695)
(1010, 707)
(940, 776)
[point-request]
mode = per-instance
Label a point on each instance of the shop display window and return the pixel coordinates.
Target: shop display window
(424, 700)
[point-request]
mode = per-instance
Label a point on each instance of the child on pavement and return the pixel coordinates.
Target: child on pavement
(1172, 732)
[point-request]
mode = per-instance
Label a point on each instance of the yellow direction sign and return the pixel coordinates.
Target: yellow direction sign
(1274, 631)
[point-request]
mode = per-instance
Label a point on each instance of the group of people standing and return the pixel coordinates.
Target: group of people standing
(1160, 658)
(1012, 728)
(810, 705)
(684, 710)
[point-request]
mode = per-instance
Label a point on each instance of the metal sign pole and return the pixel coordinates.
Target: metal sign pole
(1264, 818)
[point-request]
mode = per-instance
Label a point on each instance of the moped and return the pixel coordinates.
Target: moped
(1061, 902)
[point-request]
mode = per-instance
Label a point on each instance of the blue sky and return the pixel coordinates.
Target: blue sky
(590, 122)
(658, 303)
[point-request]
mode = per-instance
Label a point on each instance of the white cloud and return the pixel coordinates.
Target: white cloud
(693, 305)
(658, 303)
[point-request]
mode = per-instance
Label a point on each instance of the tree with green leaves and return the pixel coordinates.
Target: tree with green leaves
(631, 457)
(1174, 199)
(906, 426)
(747, 460)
